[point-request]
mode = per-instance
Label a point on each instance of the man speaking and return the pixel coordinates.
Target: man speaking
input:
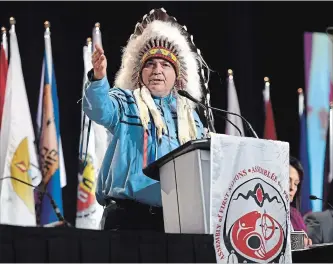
(146, 116)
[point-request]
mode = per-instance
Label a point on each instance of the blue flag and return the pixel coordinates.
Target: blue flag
(304, 159)
(318, 70)
(50, 150)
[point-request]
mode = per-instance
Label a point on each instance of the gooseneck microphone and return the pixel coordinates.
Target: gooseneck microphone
(209, 121)
(190, 97)
(313, 197)
(53, 204)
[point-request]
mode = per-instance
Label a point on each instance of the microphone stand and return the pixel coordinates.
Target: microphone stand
(313, 197)
(210, 121)
(190, 97)
(226, 119)
(207, 114)
(243, 118)
(53, 204)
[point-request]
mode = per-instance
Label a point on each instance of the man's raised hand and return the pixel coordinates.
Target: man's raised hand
(99, 63)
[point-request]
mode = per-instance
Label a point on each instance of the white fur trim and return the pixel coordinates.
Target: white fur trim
(186, 125)
(191, 122)
(183, 121)
(143, 109)
(160, 126)
(131, 59)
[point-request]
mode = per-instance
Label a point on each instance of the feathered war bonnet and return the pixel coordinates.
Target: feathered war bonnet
(159, 35)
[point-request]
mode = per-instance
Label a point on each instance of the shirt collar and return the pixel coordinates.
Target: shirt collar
(166, 99)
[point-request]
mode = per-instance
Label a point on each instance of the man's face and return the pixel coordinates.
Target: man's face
(158, 76)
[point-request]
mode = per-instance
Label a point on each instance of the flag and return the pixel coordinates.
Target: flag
(328, 191)
(304, 157)
(330, 142)
(89, 212)
(328, 162)
(318, 70)
(17, 148)
(233, 106)
(328, 165)
(50, 150)
(327, 181)
(3, 72)
(330, 131)
(269, 130)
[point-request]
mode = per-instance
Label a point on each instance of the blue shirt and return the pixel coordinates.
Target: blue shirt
(121, 173)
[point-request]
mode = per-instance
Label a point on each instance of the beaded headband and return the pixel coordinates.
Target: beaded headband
(159, 35)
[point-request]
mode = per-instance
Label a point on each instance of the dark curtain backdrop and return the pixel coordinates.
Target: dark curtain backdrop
(255, 39)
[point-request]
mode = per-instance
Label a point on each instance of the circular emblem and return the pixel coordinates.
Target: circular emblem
(86, 189)
(253, 225)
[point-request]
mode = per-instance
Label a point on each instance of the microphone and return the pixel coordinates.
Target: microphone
(211, 127)
(53, 204)
(190, 97)
(313, 197)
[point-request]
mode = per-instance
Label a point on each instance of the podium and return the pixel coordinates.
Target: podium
(184, 175)
(236, 188)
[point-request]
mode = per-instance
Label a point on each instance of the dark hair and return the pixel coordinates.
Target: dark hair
(296, 164)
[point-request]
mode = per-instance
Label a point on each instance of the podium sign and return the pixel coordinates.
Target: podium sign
(250, 200)
(236, 188)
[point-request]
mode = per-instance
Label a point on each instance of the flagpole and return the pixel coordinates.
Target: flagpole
(230, 74)
(269, 128)
(47, 25)
(48, 49)
(267, 84)
(89, 41)
(89, 44)
(267, 90)
(87, 51)
(300, 101)
(97, 36)
(12, 21)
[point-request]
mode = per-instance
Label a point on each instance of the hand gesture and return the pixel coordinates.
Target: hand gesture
(99, 63)
(307, 241)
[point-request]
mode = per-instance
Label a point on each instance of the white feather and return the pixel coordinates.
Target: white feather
(148, 100)
(131, 59)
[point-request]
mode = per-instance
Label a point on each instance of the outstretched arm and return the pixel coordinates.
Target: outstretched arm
(97, 103)
(99, 106)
